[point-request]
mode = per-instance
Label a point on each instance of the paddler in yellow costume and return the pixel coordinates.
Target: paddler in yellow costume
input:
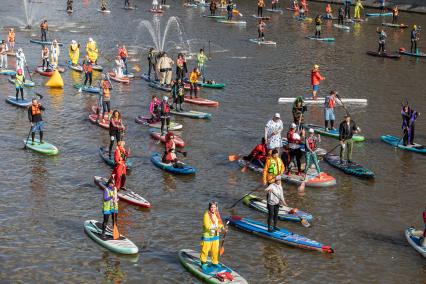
(74, 52)
(92, 50)
(358, 7)
(212, 226)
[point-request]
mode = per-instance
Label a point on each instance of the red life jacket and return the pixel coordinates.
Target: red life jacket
(87, 67)
(35, 110)
(330, 102)
(290, 138)
(312, 143)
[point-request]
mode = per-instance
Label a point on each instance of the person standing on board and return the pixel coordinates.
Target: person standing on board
(409, 117)
(316, 78)
(348, 4)
(347, 130)
(415, 36)
(34, 116)
(274, 167)
(273, 130)
(275, 199)
(44, 27)
(329, 103)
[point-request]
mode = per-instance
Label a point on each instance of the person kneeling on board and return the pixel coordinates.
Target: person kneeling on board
(258, 155)
(170, 151)
(34, 116)
(275, 198)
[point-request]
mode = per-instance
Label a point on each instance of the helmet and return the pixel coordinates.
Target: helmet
(311, 130)
(90, 39)
(19, 71)
(165, 98)
(293, 125)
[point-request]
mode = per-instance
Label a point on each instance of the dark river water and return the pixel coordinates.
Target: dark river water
(45, 200)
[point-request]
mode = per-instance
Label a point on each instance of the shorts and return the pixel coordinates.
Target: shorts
(318, 28)
(315, 88)
(38, 126)
(329, 114)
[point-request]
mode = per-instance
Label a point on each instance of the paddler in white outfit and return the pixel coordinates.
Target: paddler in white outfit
(54, 53)
(154, 5)
(119, 67)
(21, 61)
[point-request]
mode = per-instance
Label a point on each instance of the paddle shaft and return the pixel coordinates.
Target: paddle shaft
(257, 188)
(29, 73)
(343, 105)
(28, 137)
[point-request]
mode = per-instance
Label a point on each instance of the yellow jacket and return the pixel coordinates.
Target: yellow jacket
(92, 51)
(270, 171)
(193, 78)
(212, 224)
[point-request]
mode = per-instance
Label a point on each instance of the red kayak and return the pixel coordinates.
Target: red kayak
(113, 77)
(201, 101)
(157, 136)
(48, 72)
(104, 124)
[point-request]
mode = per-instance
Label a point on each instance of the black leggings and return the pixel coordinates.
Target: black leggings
(340, 20)
(33, 136)
(180, 73)
(413, 46)
(273, 214)
(45, 61)
(165, 121)
(17, 93)
(348, 11)
(381, 47)
(192, 88)
(296, 153)
(105, 222)
(43, 35)
(261, 34)
(88, 77)
(260, 11)
(117, 137)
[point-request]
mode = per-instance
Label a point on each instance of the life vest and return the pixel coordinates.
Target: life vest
(11, 36)
(105, 89)
(107, 205)
(35, 110)
(260, 3)
(312, 143)
(45, 53)
(275, 166)
(87, 67)
(330, 102)
(180, 62)
(122, 52)
(44, 26)
(165, 108)
(19, 80)
(328, 9)
(193, 78)
(170, 145)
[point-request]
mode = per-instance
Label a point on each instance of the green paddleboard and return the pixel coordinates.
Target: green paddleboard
(45, 148)
(333, 133)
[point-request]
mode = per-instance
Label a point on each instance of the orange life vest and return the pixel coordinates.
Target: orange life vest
(11, 36)
(35, 110)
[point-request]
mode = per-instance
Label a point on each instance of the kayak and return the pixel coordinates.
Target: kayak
(155, 134)
(259, 204)
(378, 14)
(104, 11)
(311, 180)
(122, 245)
(48, 72)
(191, 261)
(113, 77)
(399, 26)
(144, 120)
(20, 103)
(201, 101)
(45, 148)
(192, 114)
(157, 85)
(94, 119)
(104, 153)
(156, 11)
(275, 10)
(333, 133)
(215, 17)
(281, 235)
(44, 42)
(397, 142)
(124, 194)
(232, 22)
(350, 169)
(414, 238)
(414, 54)
(207, 84)
(7, 72)
(321, 100)
(27, 83)
(97, 67)
(384, 55)
(329, 39)
(262, 42)
(184, 170)
(87, 89)
(343, 27)
(263, 18)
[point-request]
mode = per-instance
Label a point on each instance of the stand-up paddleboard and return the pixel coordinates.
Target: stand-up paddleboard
(123, 194)
(189, 5)
(232, 22)
(113, 77)
(130, 8)
(215, 16)
(104, 11)
(262, 42)
(398, 26)
(342, 27)
(259, 17)
(397, 142)
(43, 148)
(27, 83)
(275, 11)
(333, 133)
(191, 114)
(326, 39)
(49, 71)
(212, 273)
(155, 134)
(122, 245)
(7, 72)
(77, 68)
(414, 54)
(145, 120)
(95, 119)
(384, 55)
(157, 85)
(321, 100)
(87, 89)
(353, 169)
(378, 14)
(36, 41)
(20, 103)
(97, 67)
(156, 11)
(184, 169)
(415, 239)
(201, 101)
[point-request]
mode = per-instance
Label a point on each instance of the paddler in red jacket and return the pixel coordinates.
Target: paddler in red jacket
(120, 169)
(258, 154)
(316, 78)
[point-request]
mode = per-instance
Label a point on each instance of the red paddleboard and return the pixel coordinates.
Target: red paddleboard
(95, 111)
(201, 101)
(94, 117)
(48, 73)
(322, 180)
(156, 135)
(124, 80)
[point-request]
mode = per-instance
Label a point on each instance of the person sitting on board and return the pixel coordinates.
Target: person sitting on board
(34, 116)
(298, 112)
(382, 41)
(154, 106)
(358, 7)
(44, 27)
(212, 227)
(260, 5)
(19, 84)
(103, 5)
(109, 205)
(193, 82)
(347, 129)
(340, 16)
(274, 166)
(165, 114)
(395, 14)
(45, 57)
(316, 78)
(230, 9)
(261, 30)
(120, 168)
(318, 23)
(116, 129)
(274, 4)
(88, 71)
(275, 199)
(329, 104)
(328, 11)
(415, 36)
(311, 143)
(258, 155)
(409, 117)
(106, 88)
(294, 140)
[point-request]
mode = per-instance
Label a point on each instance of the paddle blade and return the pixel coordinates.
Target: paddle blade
(244, 169)
(136, 68)
(305, 223)
(115, 233)
(233, 158)
(222, 250)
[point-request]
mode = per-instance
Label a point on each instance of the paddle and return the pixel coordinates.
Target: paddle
(184, 153)
(39, 95)
(233, 158)
(238, 201)
(222, 248)
(115, 233)
(28, 137)
(343, 105)
(29, 73)
(405, 132)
